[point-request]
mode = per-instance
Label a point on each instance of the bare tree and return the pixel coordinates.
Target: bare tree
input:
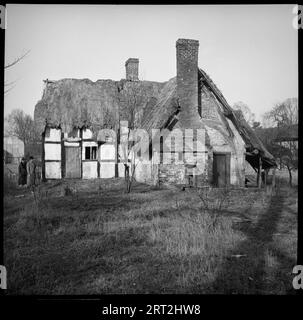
(247, 113)
(289, 157)
(22, 126)
(132, 98)
(266, 122)
(10, 85)
(285, 116)
(284, 113)
(10, 64)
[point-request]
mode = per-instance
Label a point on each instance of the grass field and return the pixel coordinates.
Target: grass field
(90, 237)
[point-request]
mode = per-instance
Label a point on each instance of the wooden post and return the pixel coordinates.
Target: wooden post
(43, 156)
(260, 173)
(273, 183)
(265, 177)
(117, 143)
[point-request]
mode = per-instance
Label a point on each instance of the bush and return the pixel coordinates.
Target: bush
(213, 200)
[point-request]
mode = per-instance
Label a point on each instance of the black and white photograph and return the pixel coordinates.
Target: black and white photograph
(150, 149)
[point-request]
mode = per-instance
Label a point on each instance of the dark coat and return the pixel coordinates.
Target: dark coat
(22, 173)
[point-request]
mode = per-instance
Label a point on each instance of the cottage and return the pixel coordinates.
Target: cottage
(13, 149)
(177, 115)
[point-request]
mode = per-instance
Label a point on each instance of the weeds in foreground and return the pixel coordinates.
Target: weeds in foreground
(213, 200)
(163, 241)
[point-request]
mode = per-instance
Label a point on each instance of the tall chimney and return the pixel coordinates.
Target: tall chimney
(132, 69)
(187, 82)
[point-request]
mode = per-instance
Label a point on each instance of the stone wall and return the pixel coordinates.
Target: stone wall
(171, 173)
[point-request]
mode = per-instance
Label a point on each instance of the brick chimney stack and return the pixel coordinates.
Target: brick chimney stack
(132, 69)
(187, 82)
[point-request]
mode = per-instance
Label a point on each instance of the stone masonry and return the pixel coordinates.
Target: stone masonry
(187, 82)
(132, 69)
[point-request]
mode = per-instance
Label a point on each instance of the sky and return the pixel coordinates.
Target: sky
(250, 52)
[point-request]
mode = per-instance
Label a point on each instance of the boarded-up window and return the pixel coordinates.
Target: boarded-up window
(90, 153)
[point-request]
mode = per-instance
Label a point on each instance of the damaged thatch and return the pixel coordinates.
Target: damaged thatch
(72, 103)
(254, 146)
(76, 103)
(161, 111)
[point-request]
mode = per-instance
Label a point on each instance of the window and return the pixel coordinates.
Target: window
(90, 153)
(161, 149)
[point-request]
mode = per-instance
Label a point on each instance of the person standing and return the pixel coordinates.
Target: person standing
(31, 172)
(22, 172)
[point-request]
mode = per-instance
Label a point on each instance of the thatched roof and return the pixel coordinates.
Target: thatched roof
(73, 103)
(254, 146)
(76, 103)
(162, 110)
(159, 111)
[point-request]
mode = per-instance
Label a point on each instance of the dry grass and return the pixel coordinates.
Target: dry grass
(98, 239)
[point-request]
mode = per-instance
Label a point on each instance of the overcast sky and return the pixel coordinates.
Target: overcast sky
(251, 52)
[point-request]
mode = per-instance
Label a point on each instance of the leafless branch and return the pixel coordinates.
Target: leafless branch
(16, 60)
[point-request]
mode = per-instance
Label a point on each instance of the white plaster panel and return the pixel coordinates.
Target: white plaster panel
(87, 134)
(71, 144)
(89, 170)
(107, 152)
(107, 170)
(89, 144)
(52, 151)
(53, 170)
(54, 135)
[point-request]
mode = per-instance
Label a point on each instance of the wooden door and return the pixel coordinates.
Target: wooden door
(72, 162)
(221, 169)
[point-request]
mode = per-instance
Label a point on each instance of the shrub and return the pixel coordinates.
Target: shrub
(213, 200)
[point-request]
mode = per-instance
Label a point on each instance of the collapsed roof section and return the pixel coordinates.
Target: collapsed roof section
(161, 112)
(254, 146)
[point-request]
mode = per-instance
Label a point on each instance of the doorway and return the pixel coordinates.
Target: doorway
(72, 162)
(221, 169)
